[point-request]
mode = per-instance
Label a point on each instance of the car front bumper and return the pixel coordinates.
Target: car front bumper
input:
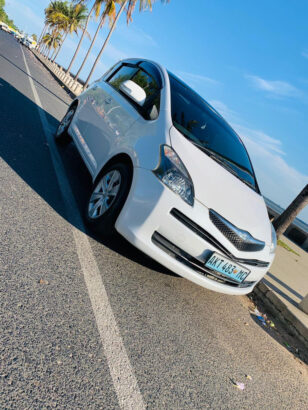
(182, 237)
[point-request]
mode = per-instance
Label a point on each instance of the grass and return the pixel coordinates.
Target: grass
(287, 247)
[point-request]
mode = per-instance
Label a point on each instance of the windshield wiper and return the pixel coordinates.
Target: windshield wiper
(209, 151)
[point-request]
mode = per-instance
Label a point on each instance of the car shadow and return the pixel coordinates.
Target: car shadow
(24, 148)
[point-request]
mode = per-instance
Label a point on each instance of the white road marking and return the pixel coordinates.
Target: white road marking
(122, 373)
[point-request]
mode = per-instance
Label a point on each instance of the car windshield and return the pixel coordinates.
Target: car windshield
(206, 129)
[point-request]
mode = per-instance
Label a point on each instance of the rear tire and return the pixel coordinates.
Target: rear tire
(108, 198)
(62, 136)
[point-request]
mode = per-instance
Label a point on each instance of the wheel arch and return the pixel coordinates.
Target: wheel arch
(74, 104)
(121, 157)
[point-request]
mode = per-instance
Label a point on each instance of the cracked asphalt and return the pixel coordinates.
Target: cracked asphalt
(184, 343)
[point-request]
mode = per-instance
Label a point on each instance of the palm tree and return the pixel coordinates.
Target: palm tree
(143, 4)
(47, 40)
(54, 17)
(39, 43)
(282, 222)
(71, 20)
(41, 35)
(110, 12)
(96, 7)
(113, 26)
(131, 4)
(51, 41)
(56, 41)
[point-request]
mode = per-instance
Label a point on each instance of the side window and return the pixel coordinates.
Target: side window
(123, 74)
(146, 82)
(150, 109)
(152, 91)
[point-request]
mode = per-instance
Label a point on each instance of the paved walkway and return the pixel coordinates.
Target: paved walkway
(288, 280)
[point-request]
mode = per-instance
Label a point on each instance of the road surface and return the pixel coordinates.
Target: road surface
(88, 323)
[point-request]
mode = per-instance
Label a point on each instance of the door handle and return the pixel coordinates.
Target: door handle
(108, 100)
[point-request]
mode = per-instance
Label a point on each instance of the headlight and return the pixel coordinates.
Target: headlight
(274, 240)
(172, 172)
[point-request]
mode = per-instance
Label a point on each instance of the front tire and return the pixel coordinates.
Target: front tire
(107, 198)
(62, 136)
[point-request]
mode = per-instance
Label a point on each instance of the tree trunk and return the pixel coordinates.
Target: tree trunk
(42, 44)
(41, 36)
(41, 41)
(60, 47)
(81, 39)
(90, 48)
(283, 221)
(43, 50)
(106, 42)
(41, 47)
(53, 54)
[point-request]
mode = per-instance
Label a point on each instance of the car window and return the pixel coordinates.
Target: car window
(150, 109)
(202, 125)
(123, 74)
(152, 92)
(146, 82)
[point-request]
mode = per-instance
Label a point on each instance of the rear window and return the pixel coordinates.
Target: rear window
(203, 126)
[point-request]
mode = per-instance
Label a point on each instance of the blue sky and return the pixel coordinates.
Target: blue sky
(248, 59)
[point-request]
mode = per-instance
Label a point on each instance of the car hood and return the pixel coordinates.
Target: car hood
(218, 189)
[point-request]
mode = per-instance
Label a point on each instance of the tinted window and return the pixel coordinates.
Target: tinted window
(202, 125)
(146, 82)
(152, 91)
(150, 108)
(153, 71)
(123, 74)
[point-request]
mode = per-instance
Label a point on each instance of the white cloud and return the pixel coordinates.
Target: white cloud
(278, 180)
(274, 87)
(271, 144)
(197, 78)
(133, 34)
(305, 53)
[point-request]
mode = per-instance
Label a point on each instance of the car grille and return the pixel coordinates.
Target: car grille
(241, 244)
(213, 241)
(193, 263)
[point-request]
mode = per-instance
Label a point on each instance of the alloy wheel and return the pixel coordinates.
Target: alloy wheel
(104, 194)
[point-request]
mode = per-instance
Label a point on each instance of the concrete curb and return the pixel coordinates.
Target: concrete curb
(278, 308)
(74, 87)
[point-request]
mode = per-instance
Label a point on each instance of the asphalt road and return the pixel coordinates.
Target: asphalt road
(85, 321)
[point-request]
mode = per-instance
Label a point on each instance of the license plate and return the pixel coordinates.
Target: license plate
(227, 267)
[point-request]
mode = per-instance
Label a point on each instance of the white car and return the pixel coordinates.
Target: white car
(171, 176)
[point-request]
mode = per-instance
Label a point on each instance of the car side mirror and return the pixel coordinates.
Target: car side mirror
(133, 91)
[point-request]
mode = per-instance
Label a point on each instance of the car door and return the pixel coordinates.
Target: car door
(108, 117)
